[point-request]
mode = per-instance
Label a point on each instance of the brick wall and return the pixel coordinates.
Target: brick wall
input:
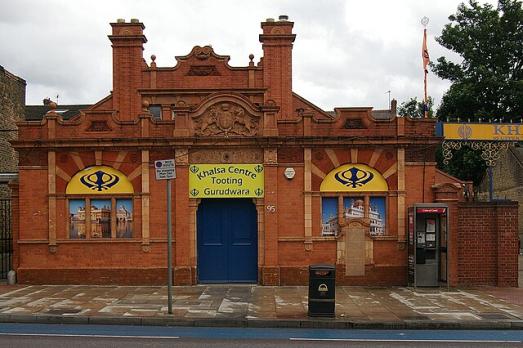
(488, 243)
(507, 180)
(12, 102)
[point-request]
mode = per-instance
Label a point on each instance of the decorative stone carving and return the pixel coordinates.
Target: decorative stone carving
(353, 124)
(181, 156)
(226, 119)
(355, 249)
(226, 157)
(271, 156)
(98, 126)
(218, 156)
(202, 53)
(203, 70)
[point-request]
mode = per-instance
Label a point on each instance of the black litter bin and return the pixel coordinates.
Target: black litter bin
(322, 290)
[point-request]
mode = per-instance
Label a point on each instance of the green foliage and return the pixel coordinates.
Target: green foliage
(466, 164)
(415, 108)
(488, 82)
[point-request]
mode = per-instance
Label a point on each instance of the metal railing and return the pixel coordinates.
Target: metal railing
(6, 238)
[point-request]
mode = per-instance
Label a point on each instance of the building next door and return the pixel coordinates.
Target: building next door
(227, 241)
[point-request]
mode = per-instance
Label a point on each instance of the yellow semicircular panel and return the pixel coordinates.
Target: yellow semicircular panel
(354, 178)
(99, 180)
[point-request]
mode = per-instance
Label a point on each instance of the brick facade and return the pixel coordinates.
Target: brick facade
(272, 126)
(12, 102)
(488, 244)
(507, 181)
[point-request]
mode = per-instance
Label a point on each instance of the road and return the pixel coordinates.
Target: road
(87, 336)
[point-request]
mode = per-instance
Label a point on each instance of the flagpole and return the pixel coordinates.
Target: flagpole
(426, 108)
(425, 57)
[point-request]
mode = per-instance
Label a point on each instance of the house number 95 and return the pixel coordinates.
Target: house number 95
(271, 208)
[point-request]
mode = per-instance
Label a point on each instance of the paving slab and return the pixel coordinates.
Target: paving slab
(262, 306)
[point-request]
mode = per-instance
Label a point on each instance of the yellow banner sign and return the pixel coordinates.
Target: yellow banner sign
(354, 178)
(483, 131)
(226, 181)
(99, 180)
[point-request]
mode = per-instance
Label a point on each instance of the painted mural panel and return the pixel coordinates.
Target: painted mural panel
(77, 219)
(124, 218)
(354, 207)
(100, 218)
(377, 215)
(329, 216)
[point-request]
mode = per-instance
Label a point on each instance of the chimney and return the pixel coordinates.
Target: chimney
(277, 39)
(393, 107)
(127, 41)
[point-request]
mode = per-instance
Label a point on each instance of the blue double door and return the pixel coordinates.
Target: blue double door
(227, 241)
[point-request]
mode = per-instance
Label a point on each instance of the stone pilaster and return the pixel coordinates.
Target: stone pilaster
(145, 200)
(51, 190)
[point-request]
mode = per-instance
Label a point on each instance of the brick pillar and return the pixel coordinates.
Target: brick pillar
(507, 237)
(277, 39)
(181, 205)
(270, 271)
(488, 250)
(127, 41)
(450, 195)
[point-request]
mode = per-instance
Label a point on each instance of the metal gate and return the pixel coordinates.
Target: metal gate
(6, 238)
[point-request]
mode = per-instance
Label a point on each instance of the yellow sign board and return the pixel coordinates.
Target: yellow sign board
(483, 131)
(354, 178)
(99, 180)
(226, 181)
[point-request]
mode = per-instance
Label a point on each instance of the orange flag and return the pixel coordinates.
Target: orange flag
(425, 51)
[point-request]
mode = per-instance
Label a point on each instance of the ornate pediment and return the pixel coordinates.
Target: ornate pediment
(226, 118)
(203, 55)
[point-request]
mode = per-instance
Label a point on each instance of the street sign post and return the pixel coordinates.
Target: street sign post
(166, 170)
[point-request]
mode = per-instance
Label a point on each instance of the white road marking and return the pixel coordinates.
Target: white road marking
(392, 340)
(74, 335)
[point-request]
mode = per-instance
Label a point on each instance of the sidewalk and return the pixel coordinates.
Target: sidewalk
(261, 306)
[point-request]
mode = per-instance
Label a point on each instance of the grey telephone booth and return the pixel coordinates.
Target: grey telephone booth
(427, 244)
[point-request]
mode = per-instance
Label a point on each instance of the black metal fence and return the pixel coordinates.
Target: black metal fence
(6, 238)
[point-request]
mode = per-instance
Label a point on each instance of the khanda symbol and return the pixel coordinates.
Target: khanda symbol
(354, 177)
(99, 180)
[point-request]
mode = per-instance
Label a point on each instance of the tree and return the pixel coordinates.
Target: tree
(414, 108)
(466, 164)
(488, 82)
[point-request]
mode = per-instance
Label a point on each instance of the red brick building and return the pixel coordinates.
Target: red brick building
(267, 183)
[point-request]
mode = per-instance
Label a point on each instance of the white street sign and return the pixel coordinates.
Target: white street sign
(165, 169)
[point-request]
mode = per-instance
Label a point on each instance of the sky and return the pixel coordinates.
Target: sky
(346, 54)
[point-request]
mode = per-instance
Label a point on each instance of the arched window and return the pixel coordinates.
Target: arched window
(354, 191)
(100, 204)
